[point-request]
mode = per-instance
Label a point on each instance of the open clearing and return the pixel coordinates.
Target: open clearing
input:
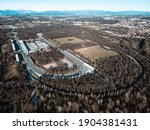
(95, 52)
(68, 40)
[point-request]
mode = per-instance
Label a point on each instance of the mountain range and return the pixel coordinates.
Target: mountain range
(71, 13)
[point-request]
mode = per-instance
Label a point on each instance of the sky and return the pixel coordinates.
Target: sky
(43, 5)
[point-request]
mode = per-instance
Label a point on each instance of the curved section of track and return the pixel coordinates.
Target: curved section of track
(105, 94)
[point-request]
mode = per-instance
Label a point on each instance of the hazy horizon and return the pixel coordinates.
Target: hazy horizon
(75, 10)
(66, 5)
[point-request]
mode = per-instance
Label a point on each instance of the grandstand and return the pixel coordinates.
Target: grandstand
(84, 67)
(13, 46)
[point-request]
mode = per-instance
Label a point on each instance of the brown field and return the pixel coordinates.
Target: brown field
(68, 40)
(95, 52)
